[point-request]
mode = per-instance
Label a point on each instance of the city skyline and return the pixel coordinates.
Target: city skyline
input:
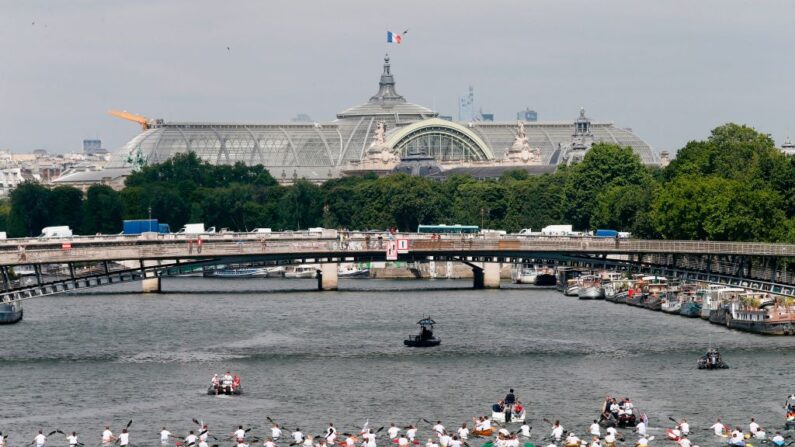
(677, 77)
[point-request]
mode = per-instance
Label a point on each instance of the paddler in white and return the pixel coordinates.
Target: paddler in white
(276, 432)
(594, 429)
(463, 432)
(239, 434)
(204, 433)
(164, 435)
(350, 441)
(718, 428)
(737, 438)
(753, 427)
(403, 441)
(369, 439)
(331, 434)
(298, 437)
(641, 428)
(444, 440)
(2, 440)
(430, 443)
(571, 440)
(269, 442)
(557, 431)
(107, 436)
(411, 433)
(455, 442)
(190, 439)
(610, 438)
(684, 427)
(392, 431)
(71, 439)
(642, 442)
(684, 442)
(309, 441)
(40, 439)
(595, 442)
(227, 381)
(439, 428)
(778, 440)
(524, 430)
(124, 438)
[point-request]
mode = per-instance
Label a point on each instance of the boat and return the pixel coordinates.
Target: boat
(690, 309)
(425, 339)
(275, 272)
(484, 433)
(759, 313)
(499, 416)
(720, 303)
(671, 304)
(301, 271)
(692, 297)
(590, 288)
(240, 273)
(11, 312)
(635, 297)
(524, 274)
(545, 276)
(790, 415)
(564, 274)
(655, 288)
(619, 420)
(225, 391)
(352, 271)
(572, 287)
(711, 360)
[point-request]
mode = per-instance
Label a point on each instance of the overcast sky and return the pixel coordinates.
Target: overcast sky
(670, 70)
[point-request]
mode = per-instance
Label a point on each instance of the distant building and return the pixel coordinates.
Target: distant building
(488, 117)
(788, 147)
(93, 147)
(302, 118)
(527, 115)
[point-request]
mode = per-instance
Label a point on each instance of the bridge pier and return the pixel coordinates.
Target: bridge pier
(327, 276)
(487, 277)
(150, 285)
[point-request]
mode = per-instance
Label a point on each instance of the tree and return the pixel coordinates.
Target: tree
(102, 210)
(30, 210)
(66, 207)
(625, 208)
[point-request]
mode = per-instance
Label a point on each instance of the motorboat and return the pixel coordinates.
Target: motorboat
(545, 276)
(301, 271)
(224, 390)
(11, 312)
(572, 287)
(352, 271)
(499, 416)
(524, 274)
(240, 273)
(590, 288)
(425, 339)
(711, 360)
(621, 419)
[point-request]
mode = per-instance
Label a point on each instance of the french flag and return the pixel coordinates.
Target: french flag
(392, 37)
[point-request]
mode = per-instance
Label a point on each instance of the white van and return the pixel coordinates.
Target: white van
(262, 230)
(195, 228)
(61, 231)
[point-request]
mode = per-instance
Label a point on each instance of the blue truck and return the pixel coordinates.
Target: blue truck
(139, 226)
(606, 233)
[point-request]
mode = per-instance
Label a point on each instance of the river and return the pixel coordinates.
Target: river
(79, 362)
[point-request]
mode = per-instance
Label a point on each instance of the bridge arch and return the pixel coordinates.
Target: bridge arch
(442, 139)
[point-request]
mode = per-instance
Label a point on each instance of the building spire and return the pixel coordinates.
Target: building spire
(386, 86)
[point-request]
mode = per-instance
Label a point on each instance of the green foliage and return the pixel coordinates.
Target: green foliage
(30, 210)
(66, 207)
(102, 211)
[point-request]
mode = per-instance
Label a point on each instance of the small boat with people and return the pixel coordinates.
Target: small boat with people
(11, 311)
(425, 339)
(619, 413)
(712, 360)
(508, 410)
(227, 385)
(790, 414)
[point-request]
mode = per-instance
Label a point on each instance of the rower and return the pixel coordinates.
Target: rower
(370, 438)
(269, 442)
(737, 438)
(610, 438)
(463, 432)
(594, 429)
(430, 443)
(557, 431)
(309, 441)
(240, 434)
(203, 443)
(2, 440)
(205, 433)
(241, 443)
(350, 441)
(455, 442)
(444, 440)
(753, 427)
(411, 432)
(227, 382)
(572, 440)
(276, 432)
(40, 439)
(718, 428)
(524, 430)
(641, 428)
(298, 437)
(190, 439)
(331, 434)
(595, 442)
(778, 440)
(215, 382)
(439, 428)
(642, 442)
(684, 427)
(124, 438)
(164, 435)
(72, 439)
(392, 431)
(403, 441)
(684, 442)
(107, 436)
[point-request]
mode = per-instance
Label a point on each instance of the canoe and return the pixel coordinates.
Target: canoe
(487, 432)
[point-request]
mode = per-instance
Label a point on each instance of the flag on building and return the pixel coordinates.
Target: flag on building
(392, 37)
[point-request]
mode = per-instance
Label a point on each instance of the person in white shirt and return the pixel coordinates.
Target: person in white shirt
(684, 442)
(753, 427)
(107, 437)
(430, 443)
(611, 431)
(2, 440)
(439, 428)
(124, 438)
(737, 438)
(241, 443)
(190, 439)
(610, 439)
(72, 439)
(40, 439)
(642, 442)
(444, 440)
(403, 441)
(572, 440)
(595, 442)
(392, 431)
(331, 434)
(641, 428)
(309, 441)
(203, 444)
(411, 433)
(455, 442)
(684, 427)
(463, 432)
(524, 430)
(298, 436)
(350, 441)
(269, 442)
(778, 440)
(276, 432)
(164, 435)
(594, 429)
(718, 428)
(557, 431)
(239, 434)
(205, 433)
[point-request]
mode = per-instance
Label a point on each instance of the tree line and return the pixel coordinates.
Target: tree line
(734, 185)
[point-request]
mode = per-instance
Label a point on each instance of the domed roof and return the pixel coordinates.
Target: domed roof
(388, 102)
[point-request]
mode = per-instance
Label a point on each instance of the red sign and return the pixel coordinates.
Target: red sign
(66, 246)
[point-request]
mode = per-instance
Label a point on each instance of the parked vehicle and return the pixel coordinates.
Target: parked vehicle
(59, 231)
(139, 226)
(195, 228)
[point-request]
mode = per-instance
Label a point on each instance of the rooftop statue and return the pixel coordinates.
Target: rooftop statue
(379, 150)
(521, 151)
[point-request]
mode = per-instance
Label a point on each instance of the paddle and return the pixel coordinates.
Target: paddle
(673, 420)
(129, 423)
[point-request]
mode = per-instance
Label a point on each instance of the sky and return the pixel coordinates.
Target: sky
(671, 70)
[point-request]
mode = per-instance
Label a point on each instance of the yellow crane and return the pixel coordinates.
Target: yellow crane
(145, 122)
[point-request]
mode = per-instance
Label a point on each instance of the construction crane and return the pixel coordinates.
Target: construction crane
(145, 122)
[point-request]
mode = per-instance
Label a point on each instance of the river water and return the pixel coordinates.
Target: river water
(79, 362)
